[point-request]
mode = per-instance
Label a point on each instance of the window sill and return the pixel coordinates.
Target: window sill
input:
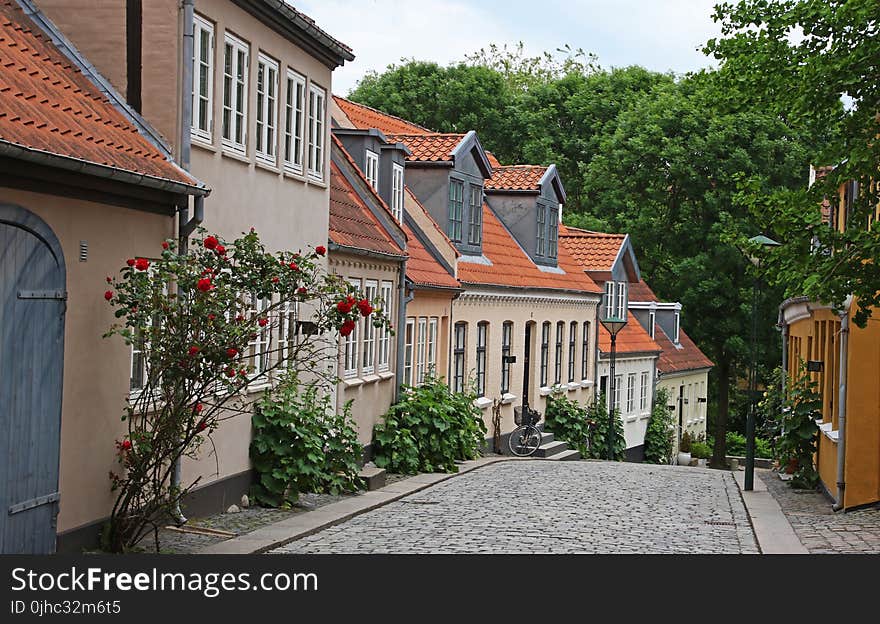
(573, 385)
(483, 402)
(586, 383)
(631, 419)
(507, 398)
(352, 382)
(828, 432)
(202, 143)
(267, 166)
(227, 152)
(322, 182)
(544, 391)
(371, 378)
(293, 175)
(385, 375)
(645, 416)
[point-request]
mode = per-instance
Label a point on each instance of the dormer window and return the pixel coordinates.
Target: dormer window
(615, 299)
(475, 221)
(677, 327)
(372, 169)
(540, 247)
(397, 190)
(456, 208)
(553, 242)
(652, 320)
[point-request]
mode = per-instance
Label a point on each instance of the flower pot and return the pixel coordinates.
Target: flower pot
(684, 459)
(701, 463)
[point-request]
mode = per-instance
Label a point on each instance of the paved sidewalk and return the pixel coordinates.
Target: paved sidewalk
(773, 531)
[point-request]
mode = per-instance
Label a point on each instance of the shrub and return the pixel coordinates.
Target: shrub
(658, 436)
(684, 445)
(799, 429)
(736, 443)
(701, 450)
(429, 429)
(300, 444)
(598, 413)
(569, 421)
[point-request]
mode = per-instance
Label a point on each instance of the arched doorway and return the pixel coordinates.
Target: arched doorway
(32, 307)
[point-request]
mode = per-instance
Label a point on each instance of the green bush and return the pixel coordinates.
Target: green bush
(658, 436)
(300, 444)
(569, 421)
(701, 450)
(736, 445)
(598, 413)
(799, 436)
(429, 429)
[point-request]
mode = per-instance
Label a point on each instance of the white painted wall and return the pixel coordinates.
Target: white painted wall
(635, 420)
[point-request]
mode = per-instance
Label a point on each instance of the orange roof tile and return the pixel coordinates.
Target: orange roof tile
(640, 291)
(365, 117)
(631, 339)
(596, 251)
(493, 161)
(516, 178)
(685, 356)
(511, 266)
(434, 147)
(422, 268)
(352, 224)
(47, 104)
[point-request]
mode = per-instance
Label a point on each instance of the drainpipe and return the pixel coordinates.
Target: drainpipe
(403, 299)
(841, 407)
(186, 225)
(784, 374)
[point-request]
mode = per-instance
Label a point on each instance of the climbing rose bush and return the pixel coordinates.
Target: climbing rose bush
(207, 326)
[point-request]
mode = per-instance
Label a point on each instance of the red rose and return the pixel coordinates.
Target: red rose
(193, 350)
(293, 266)
(231, 352)
(202, 426)
(211, 242)
(164, 244)
(345, 330)
(274, 280)
(130, 262)
(109, 279)
(108, 295)
(351, 299)
(205, 284)
(320, 250)
(301, 290)
(263, 322)
(211, 317)
(230, 372)
(142, 264)
(239, 318)
(221, 250)
(365, 307)
(126, 445)
(343, 307)
(198, 408)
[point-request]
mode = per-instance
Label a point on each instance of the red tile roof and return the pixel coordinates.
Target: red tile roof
(47, 104)
(434, 147)
(511, 266)
(686, 356)
(365, 117)
(422, 268)
(595, 251)
(352, 224)
(516, 178)
(493, 161)
(631, 339)
(640, 291)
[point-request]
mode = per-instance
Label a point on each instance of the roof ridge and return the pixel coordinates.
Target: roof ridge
(376, 110)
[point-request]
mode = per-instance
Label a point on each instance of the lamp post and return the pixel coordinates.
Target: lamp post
(749, 477)
(613, 316)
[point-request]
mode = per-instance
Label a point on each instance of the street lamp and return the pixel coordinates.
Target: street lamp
(613, 316)
(749, 480)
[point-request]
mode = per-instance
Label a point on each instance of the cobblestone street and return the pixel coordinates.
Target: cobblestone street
(535, 507)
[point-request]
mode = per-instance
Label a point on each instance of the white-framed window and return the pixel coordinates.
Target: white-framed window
(630, 393)
(456, 209)
(609, 299)
(621, 299)
(397, 190)
(506, 338)
(139, 371)
(317, 113)
(560, 330)
(421, 346)
(235, 93)
(258, 348)
(350, 352)
(572, 348)
(677, 327)
(643, 398)
(618, 381)
(371, 172)
(482, 339)
(432, 346)
(203, 79)
(652, 320)
(585, 351)
(458, 357)
(540, 245)
(267, 109)
(294, 111)
(553, 236)
(287, 329)
(409, 335)
(475, 218)
(545, 351)
(384, 335)
(368, 347)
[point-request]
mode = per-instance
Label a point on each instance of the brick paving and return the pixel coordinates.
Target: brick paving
(554, 507)
(819, 528)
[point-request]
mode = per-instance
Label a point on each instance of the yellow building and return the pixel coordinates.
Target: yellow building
(846, 364)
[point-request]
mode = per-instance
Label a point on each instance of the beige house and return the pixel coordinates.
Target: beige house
(243, 105)
(84, 187)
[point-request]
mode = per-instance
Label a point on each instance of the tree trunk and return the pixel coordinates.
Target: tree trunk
(719, 452)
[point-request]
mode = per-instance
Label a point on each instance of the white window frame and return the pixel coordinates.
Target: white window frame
(456, 210)
(397, 191)
(621, 300)
(200, 27)
(421, 345)
(643, 400)
(541, 241)
(350, 351)
(408, 364)
(266, 144)
(371, 168)
(317, 130)
(384, 335)
(431, 358)
(677, 328)
(459, 356)
(133, 392)
(618, 381)
(294, 121)
(238, 120)
(475, 215)
(288, 331)
(609, 299)
(368, 344)
(259, 349)
(630, 393)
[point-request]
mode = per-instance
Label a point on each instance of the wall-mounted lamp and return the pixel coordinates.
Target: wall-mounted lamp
(701, 399)
(815, 366)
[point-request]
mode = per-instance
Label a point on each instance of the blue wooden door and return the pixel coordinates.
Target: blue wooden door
(32, 306)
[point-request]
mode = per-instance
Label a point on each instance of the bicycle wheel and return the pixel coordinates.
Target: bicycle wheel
(524, 440)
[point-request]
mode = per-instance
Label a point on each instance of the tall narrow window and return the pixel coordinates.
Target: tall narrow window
(258, 347)
(677, 327)
(475, 220)
(545, 352)
(368, 348)
(432, 347)
(643, 395)
(652, 321)
(203, 78)
(384, 335)
(553, 236)
(482, 336)
(293, 122)
(350, 359)
(397, 191)
(610, 302)
(621, 299)
(456, 207)
(317, 112)
(371, 171)
(235, 89)
(618, 381)
(458, 356)
(421, 346)
(287, 330)
(585, 351)
(267, 108)
(572, 349)
(409, 335)
(540, 245)
(506, 337)
(630, 392)
(560, 330)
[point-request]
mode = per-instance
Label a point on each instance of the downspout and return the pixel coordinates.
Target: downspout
(784, 375)
(185, 224)
(841, 407)
(403, 299)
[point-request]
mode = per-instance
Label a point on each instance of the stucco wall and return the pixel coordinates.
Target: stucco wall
(435, 304)
(96, 370)
(696, 385)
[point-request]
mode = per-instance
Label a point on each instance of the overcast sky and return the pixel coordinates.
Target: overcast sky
(661, 35)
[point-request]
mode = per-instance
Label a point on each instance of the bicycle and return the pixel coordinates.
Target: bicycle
(526, 438)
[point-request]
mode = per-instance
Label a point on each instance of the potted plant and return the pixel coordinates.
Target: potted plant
(684, 450)
(701, 451)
